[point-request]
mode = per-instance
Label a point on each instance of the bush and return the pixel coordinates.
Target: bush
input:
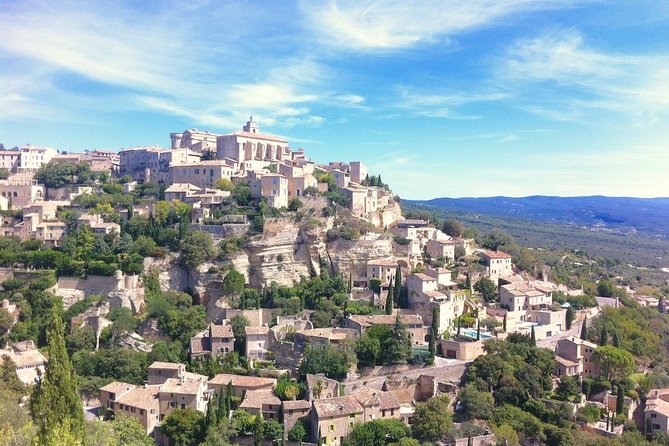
(588, 414)
(375, 285)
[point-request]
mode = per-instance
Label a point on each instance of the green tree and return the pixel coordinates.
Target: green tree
(604, 336)
(569, 317)
(396, 349)
(295, 204)
(397, 289)
(495, 240)
(432, 419)
(196, 248)
(568, 388)
(584, 329)
(616, 339)
(613, 362)
(389, 299)
(8, 377)
(376, 433)
(487, 288)
(620, 399)
(476, 404)
(533, 337)
(434, 333)
(55, 402)
(233, 284)
(453, 228)
(298, 433)
(6, 322)
(335, 362)
(239, 324)
(606, 288)
(184, 427)
(258, 431)
(368, 350)
(225, 184)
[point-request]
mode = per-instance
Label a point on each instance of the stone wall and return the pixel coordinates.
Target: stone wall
(219, 232)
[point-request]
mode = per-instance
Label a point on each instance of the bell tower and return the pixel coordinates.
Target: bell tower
(251, 126)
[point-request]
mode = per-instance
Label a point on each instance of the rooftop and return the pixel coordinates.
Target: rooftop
(118, 387)
(142, 397)
(495, 255)
(385, 319)
(223, 379)
(256, 330)
(257, 398)
(338, 406)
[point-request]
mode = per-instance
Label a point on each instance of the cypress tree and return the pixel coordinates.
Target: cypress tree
(228, 399)
(459, 323)
(389, 299)
(350, 282)
(258, 431)
(604, 337)
(616, 339)
(504, 323)
(533, 337)
(478, 330)
(468, 282)
(432, 346)
(569, 317)
(55, 402)
(661, 304)
(398, 285)
(584, 329)
(620, 400)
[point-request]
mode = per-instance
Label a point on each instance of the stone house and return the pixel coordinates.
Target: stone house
(573, 356)
(263, 402)
(333, 418)
(119, 398)
(257, 342)
(497, 264)
(656, 412)
(240, 383)
(29, 362)
(215, 341)
(412, 322)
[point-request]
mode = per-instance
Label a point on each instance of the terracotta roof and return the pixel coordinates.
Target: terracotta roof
(221, 331)
(256, 398)
(385, 319)
(242, 381)
(424, 277)
(199, 345)
(579, 341)
(339, 406)
(565, 362)
(256, 330)
(495, 254)
(118, 387)
(164, 365)
(296, 405)
(657, 400)
(142, 397)
(383, 262)
(332, 334)
(23, 358)
(190, 385)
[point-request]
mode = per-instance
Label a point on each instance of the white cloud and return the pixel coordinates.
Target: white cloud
(579, 77)
(435, 105)
(165, 59)
(392, 24)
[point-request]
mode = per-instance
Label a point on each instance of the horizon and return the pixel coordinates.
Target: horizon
(499, 98)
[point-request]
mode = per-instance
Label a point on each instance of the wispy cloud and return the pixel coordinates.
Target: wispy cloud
(578, 76)
(394, 24)
(159, 59)
(436, 105)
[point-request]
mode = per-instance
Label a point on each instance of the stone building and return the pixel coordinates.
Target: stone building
(251, 144)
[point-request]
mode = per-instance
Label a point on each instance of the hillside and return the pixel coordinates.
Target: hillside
(649, 253)
(647, 216)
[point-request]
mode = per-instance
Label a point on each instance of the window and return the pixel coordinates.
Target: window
(653, 415)
(656, 426)
(183, 406)
(332, 428)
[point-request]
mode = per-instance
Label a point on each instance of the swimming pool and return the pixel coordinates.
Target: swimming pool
(471, 333)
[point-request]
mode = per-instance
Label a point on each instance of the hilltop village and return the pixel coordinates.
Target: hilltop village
(230, 290)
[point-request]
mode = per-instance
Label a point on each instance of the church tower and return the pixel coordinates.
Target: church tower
(251, 126)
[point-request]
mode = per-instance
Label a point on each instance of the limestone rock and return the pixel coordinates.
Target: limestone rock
(133, 299)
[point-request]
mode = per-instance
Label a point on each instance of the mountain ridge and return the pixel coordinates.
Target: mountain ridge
(649, 216)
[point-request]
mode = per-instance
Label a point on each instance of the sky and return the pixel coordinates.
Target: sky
(454, 98)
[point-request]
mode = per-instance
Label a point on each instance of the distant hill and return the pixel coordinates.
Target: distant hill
(647, 216)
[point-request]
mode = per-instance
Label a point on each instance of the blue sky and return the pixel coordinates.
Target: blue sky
(443, 98)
